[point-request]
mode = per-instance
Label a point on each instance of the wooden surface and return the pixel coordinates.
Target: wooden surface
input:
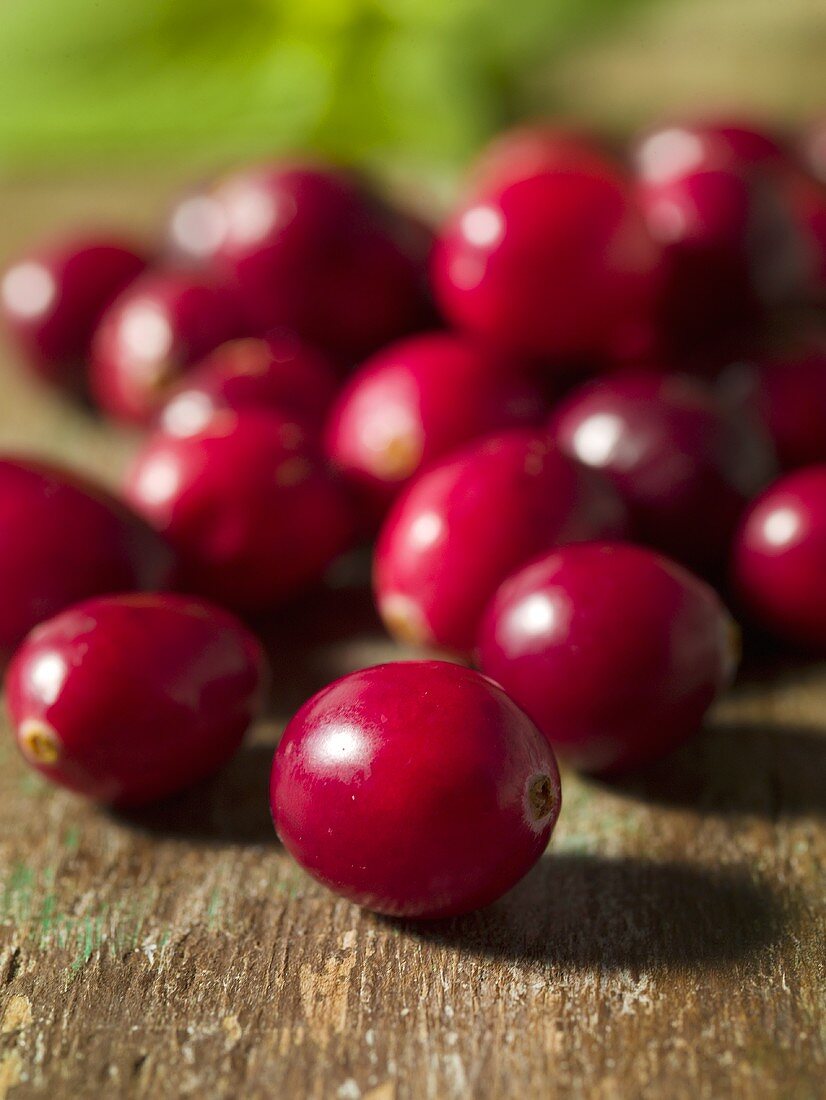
(670, 943)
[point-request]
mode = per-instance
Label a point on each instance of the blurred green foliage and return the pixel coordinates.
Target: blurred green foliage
(417, 80)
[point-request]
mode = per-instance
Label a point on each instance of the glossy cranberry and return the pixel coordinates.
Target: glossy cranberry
(527, 150)
(150, 337)
(247, 503)
(310, 249)
(683, 467)
(63, 539)
(281, 373)
(614, 651)
(52, 300)
(126, 699)
(461, 527)
(779, 557)
(557, 264)
(416, 401)
(788, 393)
(417, 789)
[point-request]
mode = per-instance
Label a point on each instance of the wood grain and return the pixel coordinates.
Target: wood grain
(669, 944)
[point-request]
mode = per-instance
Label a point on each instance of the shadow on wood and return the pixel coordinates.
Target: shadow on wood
(586, 911)
(745, 767)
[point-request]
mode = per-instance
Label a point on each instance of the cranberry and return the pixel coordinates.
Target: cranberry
(52, 300)
(556, 264)
(461, 527)
(417, 789)
(615, 652)
(788, 393)
(126, 699)
(280, 373)
(310, 249)
(416, 401)
(152, 335)
(683, 467)
(779, 557)
(64, 539)
(527, 150)
(248, 505)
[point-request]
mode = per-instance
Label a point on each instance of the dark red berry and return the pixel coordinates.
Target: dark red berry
(63, 539)
(417, 789)
(311, 250)
(788, 392)
(127, 699)
(461, 527)
(416, 401)
(615, 652)
(557, 264)
(684, 468)
(53, 298)
(779, 558)
(150, 337)
(247, 503)
(281, 373)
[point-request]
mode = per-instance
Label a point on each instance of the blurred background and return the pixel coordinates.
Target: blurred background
(409, 85)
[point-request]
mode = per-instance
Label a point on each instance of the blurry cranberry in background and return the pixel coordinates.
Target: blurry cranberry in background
(249, 505)
(718, 200)
(529, 150)
(280, 373)
(52, 299)
(779, 558)
(417, 400)
(310, 249)
(558, 264)
(813, 150)
(788, 393)
(683, 467)
(152, 334)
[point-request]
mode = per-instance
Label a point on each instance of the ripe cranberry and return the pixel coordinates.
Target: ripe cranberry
(528, 150)
(461, 527)
(615, 652)
(311, 250)
(683, 467)
(556, 264)
(152, 335)
(248, 505)
(63, 539)
(126, 699)
(281, 373)
(779, 557)
(52, 300)
(788, 393)
(417, 789)
(416, 401)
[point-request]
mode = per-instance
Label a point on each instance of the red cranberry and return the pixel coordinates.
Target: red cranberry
(416, 401)
(615, 652)
(555, 264)
(127, 699)
(312, 251)
(461, 527)
(527, 150)
(64, 539)
(52, 300)
(152, 335)
(779, 557)
(281, 373)
(248, 505)
(788, 393)
(683, 467)
(417, 789)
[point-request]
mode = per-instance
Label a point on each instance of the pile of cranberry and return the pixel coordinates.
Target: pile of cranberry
(560, 417)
